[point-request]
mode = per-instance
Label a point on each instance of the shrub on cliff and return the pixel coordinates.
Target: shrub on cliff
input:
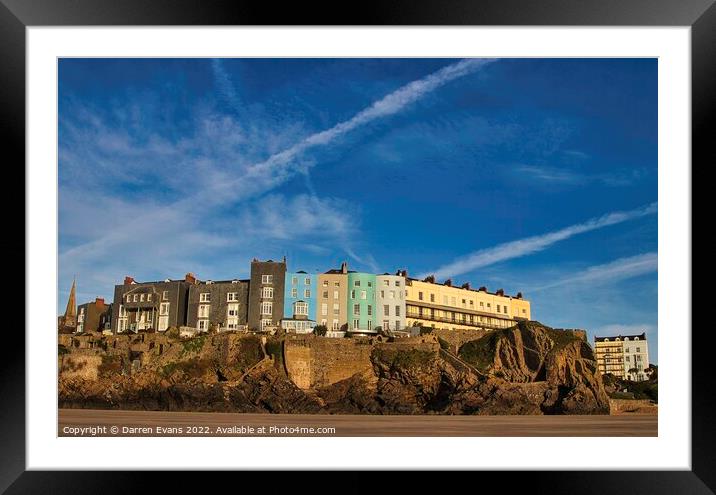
(320, 330)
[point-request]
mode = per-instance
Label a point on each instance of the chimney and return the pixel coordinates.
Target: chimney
(482, 289)
(284, 259)
(466, 285)
(398, 273)
(344, 267)
(500, 292)
(128, 280)
(189, 277)
(405, 273)
(448, 282)
(99, 301)
(429, 279)
(519, 295)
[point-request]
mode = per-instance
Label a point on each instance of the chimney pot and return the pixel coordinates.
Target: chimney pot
(128, 280)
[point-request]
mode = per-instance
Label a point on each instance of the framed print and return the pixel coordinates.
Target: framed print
(433, 239)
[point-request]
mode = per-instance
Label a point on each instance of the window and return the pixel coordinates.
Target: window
(370, 310)
(356, 324)
(353, 294)
(294, 280)
(266, 279)
(397, 311)
(356, 283)
(324, 309)
(325, 283)
(335, 325)
(202, 325)
(370, 284)
(453, 301)
(300, 308)
(294, 293)
(135, 297)
(386, 325)
(482, 304)
(265, 323)
(163, 323)
(164, 309)
(308, 281)
(363, 294)
(386, 310)
(504, 309)
(232, 296)
(498, 308)
(356, 309)
(386, 282)
(370, 323)
(397, 283)
(335, 294)
(382, 294)
(638, 349)
(392, 294)
(266, 308)
(204, 310)
(336, 309)
(232, 316)
(324, 322)
(488, 305)
(325, 294)
(524, 311)
(337, 284)
(122, 311)
(464, 303)
(397, 324)
(432, 298)
(165, 295)
(267, 293)
(149, 297)
(129, 298)
(205, 297)
(420, 296)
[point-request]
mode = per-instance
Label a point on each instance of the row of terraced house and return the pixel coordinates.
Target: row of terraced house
(341, 300)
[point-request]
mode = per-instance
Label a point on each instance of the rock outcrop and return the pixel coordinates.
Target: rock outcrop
(527, 369)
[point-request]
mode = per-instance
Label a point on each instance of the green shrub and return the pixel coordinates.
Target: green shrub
(193, 345)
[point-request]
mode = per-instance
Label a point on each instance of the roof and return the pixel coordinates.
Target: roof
(613, 338)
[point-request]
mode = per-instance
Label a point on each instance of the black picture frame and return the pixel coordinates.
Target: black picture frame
(700, 15)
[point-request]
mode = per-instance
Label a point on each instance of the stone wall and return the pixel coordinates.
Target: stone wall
(319, 361)
(457, 337)
(632, 406)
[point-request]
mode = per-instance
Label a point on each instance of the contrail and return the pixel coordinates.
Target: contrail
(529, 245)
(610, 272)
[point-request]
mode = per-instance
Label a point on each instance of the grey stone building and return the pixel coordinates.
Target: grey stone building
(218, 304)
(93, 316)
(150, 305)
(266, 294)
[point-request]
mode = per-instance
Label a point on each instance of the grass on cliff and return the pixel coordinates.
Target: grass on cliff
(402, 359)
(481, 352)
(193, 345)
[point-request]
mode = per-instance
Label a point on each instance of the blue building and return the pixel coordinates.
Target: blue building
(300, 297)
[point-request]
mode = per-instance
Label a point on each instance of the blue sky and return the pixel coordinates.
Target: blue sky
(532, 175)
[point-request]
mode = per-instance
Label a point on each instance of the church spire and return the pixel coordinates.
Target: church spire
(71, 310)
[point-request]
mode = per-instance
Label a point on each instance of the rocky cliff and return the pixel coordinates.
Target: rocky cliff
(528, 369)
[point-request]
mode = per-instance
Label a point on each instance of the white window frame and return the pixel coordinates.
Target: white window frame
(204, 310)
(324, 309)
(267, 293)
(232, 296)
(267, 308)
(267, 279)
(205, 297)
(300, 308)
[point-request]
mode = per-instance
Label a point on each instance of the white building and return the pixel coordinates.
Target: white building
(390, 301)
(624, 356)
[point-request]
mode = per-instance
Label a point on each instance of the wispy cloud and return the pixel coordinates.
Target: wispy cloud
(530, 245)
(573, 177)
(614, 271)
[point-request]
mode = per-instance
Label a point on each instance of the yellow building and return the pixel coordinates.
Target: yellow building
(436, 305)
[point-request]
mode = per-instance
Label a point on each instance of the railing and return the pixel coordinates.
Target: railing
(457, 321)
